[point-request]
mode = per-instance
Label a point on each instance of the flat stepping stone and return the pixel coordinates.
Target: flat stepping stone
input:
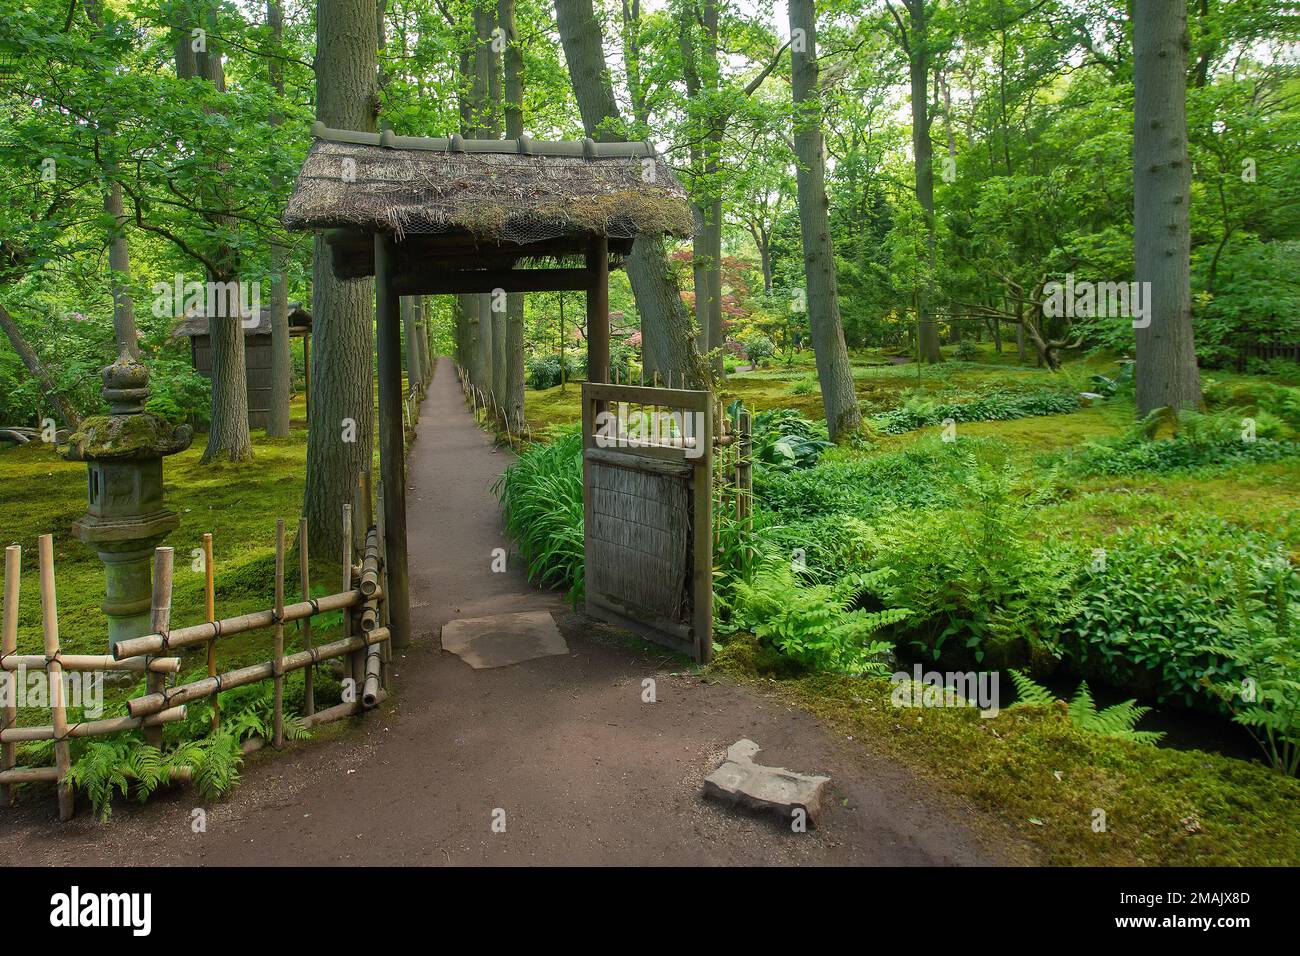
(772, 789)
(503, 639)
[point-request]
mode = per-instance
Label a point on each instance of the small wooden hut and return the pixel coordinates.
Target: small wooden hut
(257, 354)
(459, 216)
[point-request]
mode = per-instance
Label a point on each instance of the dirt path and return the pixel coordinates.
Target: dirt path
(583, 770)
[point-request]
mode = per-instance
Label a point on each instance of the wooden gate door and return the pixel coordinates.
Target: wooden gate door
(647, 468)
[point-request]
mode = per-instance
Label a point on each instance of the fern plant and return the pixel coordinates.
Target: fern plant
(1262, 639)
(815, 625)
(1117, 720)
(125, 766)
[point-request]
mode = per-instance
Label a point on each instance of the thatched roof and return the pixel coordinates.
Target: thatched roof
(197, 324)
(516, 191)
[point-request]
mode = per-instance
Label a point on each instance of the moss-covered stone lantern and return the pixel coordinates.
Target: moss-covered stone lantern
(125, 519)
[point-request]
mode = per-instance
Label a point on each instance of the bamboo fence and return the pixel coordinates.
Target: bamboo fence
(365, 638)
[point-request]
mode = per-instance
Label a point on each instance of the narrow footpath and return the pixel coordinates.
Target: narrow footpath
(560, 748)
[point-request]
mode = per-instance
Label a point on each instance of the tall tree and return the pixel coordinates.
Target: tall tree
(119, 256)
(916, 46)
(228, 437)
(668, 345)
(277, 421)
(843, 416)
(1166, 370)
(342, 391)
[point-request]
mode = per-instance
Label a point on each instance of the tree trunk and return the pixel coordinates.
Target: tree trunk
(228, 436)
(36, 369)
(923, 152)
(343, 312)
(513, 392)
(119, 257)
(666, 339)
(277, 421)
(843, 416)
(1165, 369)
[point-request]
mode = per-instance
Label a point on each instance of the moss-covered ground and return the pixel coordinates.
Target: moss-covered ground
(1030, 768)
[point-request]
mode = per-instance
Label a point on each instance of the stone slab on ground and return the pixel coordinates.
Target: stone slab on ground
(772, 789)
(503, 639)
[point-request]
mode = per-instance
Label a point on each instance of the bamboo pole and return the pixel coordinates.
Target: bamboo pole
(161, 622)
(374, 667)
(354, 662)
(202, 633)
(94, 728)
(210, 609)
(54, 673)
(8, 645)
(17, 775)
(92, 662)
(304, 582)
(278, 661)
(184, 693)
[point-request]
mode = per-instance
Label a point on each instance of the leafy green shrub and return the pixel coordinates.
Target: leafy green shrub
(544, 371)
(541, 495)
(965, 351)
(813, 625)
(1261, 639)
(919, 412)
(831, 546)
(177, 392)
(758, 347)
(1200, 440)
(1117, 720)
(925, 474)
(977, 573)
(785, 439)
(1147, 606)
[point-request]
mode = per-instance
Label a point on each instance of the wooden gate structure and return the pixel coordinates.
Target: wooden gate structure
(458, 216)
(647, 494)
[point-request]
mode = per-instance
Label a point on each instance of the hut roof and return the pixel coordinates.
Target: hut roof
(197, 324)
(505, 191)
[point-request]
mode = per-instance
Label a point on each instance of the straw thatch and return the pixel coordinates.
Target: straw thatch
(515, 191)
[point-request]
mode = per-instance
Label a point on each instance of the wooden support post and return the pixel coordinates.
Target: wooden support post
(598, 310)
(354, 660)
(54, 673)
(210, 610)
(304, 581)
(278, 661)
(745, 493)
(702, 545)
(392, 445)
(160, 618)
(9, 645)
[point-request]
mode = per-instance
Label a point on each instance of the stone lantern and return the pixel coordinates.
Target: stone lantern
(125, 519)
